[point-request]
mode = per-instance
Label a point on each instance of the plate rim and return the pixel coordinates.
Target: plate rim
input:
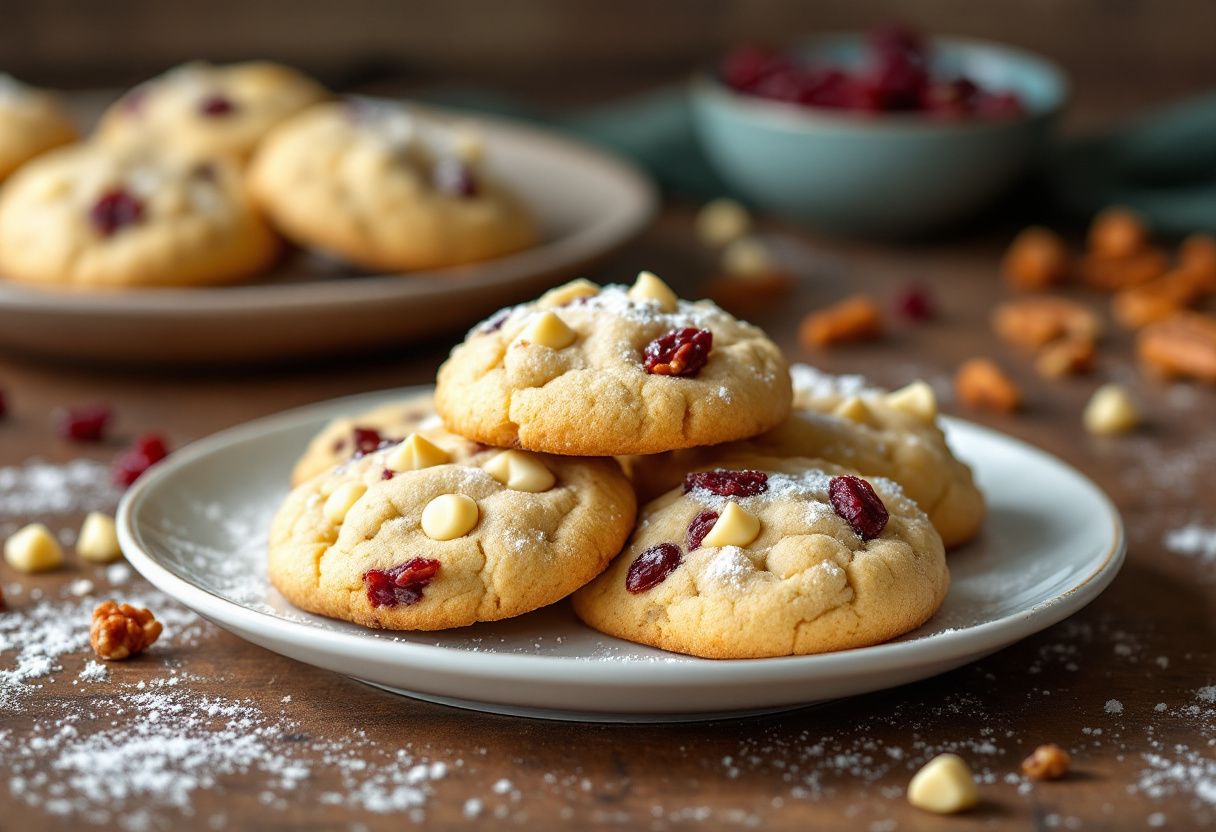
(625, 673)
(617, 227)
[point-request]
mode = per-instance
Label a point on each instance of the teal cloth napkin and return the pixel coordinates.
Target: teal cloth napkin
(1162, 164)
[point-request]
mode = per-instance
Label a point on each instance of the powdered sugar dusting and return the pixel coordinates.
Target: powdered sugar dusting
(812, 385)
(1193, 540)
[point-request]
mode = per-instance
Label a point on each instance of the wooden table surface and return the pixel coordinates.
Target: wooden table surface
(1147, 642)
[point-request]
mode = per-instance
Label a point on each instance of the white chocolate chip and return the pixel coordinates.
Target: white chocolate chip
(855, 410)
(1110, 411)
(916, 399)
(520, 471)
(341, 500)
(735, 527)
(561, 295)
(548, 330)
(417, 452)
(98, 539)
(747, 257)
(33, 549)
(449, 516)
(944, 786)
(721, 222)
(648, 286)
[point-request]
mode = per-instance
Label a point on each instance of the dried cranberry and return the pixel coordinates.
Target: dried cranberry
(3, 405)
(652, 567)
(854, 499)
(724, 483)
(681, 352)
(114, 211)
(83, 424)
(387, 474)
(915, 304)
(403, 584)
(216, 106)
(143, 453)
(494, 322)
(366, 440)
(454, 177)
(699, 527)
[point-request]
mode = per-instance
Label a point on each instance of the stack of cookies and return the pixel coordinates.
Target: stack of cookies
(781, 516)
(198, 176)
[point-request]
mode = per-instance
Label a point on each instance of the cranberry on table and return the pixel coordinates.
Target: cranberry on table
(854, 500)
(916, 304)
(401, 585)
(652, 567)
(83, 424)
(3, 405)
(724, 483)
(681, 352)
(699, 527)
(115, 210)
(146, 451)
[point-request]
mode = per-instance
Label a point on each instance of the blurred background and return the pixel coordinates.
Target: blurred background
(1120, 54)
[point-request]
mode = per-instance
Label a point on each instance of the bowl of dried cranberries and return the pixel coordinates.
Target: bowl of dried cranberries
(883, 134)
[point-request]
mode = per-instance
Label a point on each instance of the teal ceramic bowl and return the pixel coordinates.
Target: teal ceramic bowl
(881, 175)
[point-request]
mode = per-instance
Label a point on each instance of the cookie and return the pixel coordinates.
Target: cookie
(773, 557)
(408, 538)
(32, 122)
(602, 371)
(348, 436)
(203, 110)
(99, 217)
(845, 421)
(387, 188)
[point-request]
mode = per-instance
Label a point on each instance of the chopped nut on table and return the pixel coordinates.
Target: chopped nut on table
(1048, 762)
(1037, 259)
(1183, 346)
(1197, 257)
(33, 549)
(1035, 321)
(1066, 357)
(1156, 300)
(980, 383)
(98, 539)
(119, 632)
(944, 785)
(1117, 232)
(1111, 410)
(854, 319)
(1110, 274)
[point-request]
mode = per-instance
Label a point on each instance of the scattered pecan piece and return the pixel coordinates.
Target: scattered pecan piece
(1117, 232)
(1197, 259)
(1182, 346)
(1035, 321)
(119, 632)
(1037, 259)
(853, 319)
(1156, 300)
(1048, 762)
(980, 383)
(1066, 357)
(1110, 274)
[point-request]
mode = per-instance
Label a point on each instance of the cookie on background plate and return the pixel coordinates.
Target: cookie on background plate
(201, 109)
(615, 370)
(844, 420)
(387, 187)
(409, 537)
(772, 557)
(349, 436)
(32, 121)
(98, 217)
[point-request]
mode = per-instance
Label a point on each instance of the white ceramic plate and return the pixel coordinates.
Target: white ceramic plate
(195, 526)
(587, 202)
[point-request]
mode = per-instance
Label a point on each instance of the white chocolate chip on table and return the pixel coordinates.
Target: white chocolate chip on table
(721, 222)
(33, 549)
(98, 539)
(1111, 410)
(944, 786)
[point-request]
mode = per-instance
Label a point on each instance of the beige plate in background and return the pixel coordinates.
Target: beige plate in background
(588, 203)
